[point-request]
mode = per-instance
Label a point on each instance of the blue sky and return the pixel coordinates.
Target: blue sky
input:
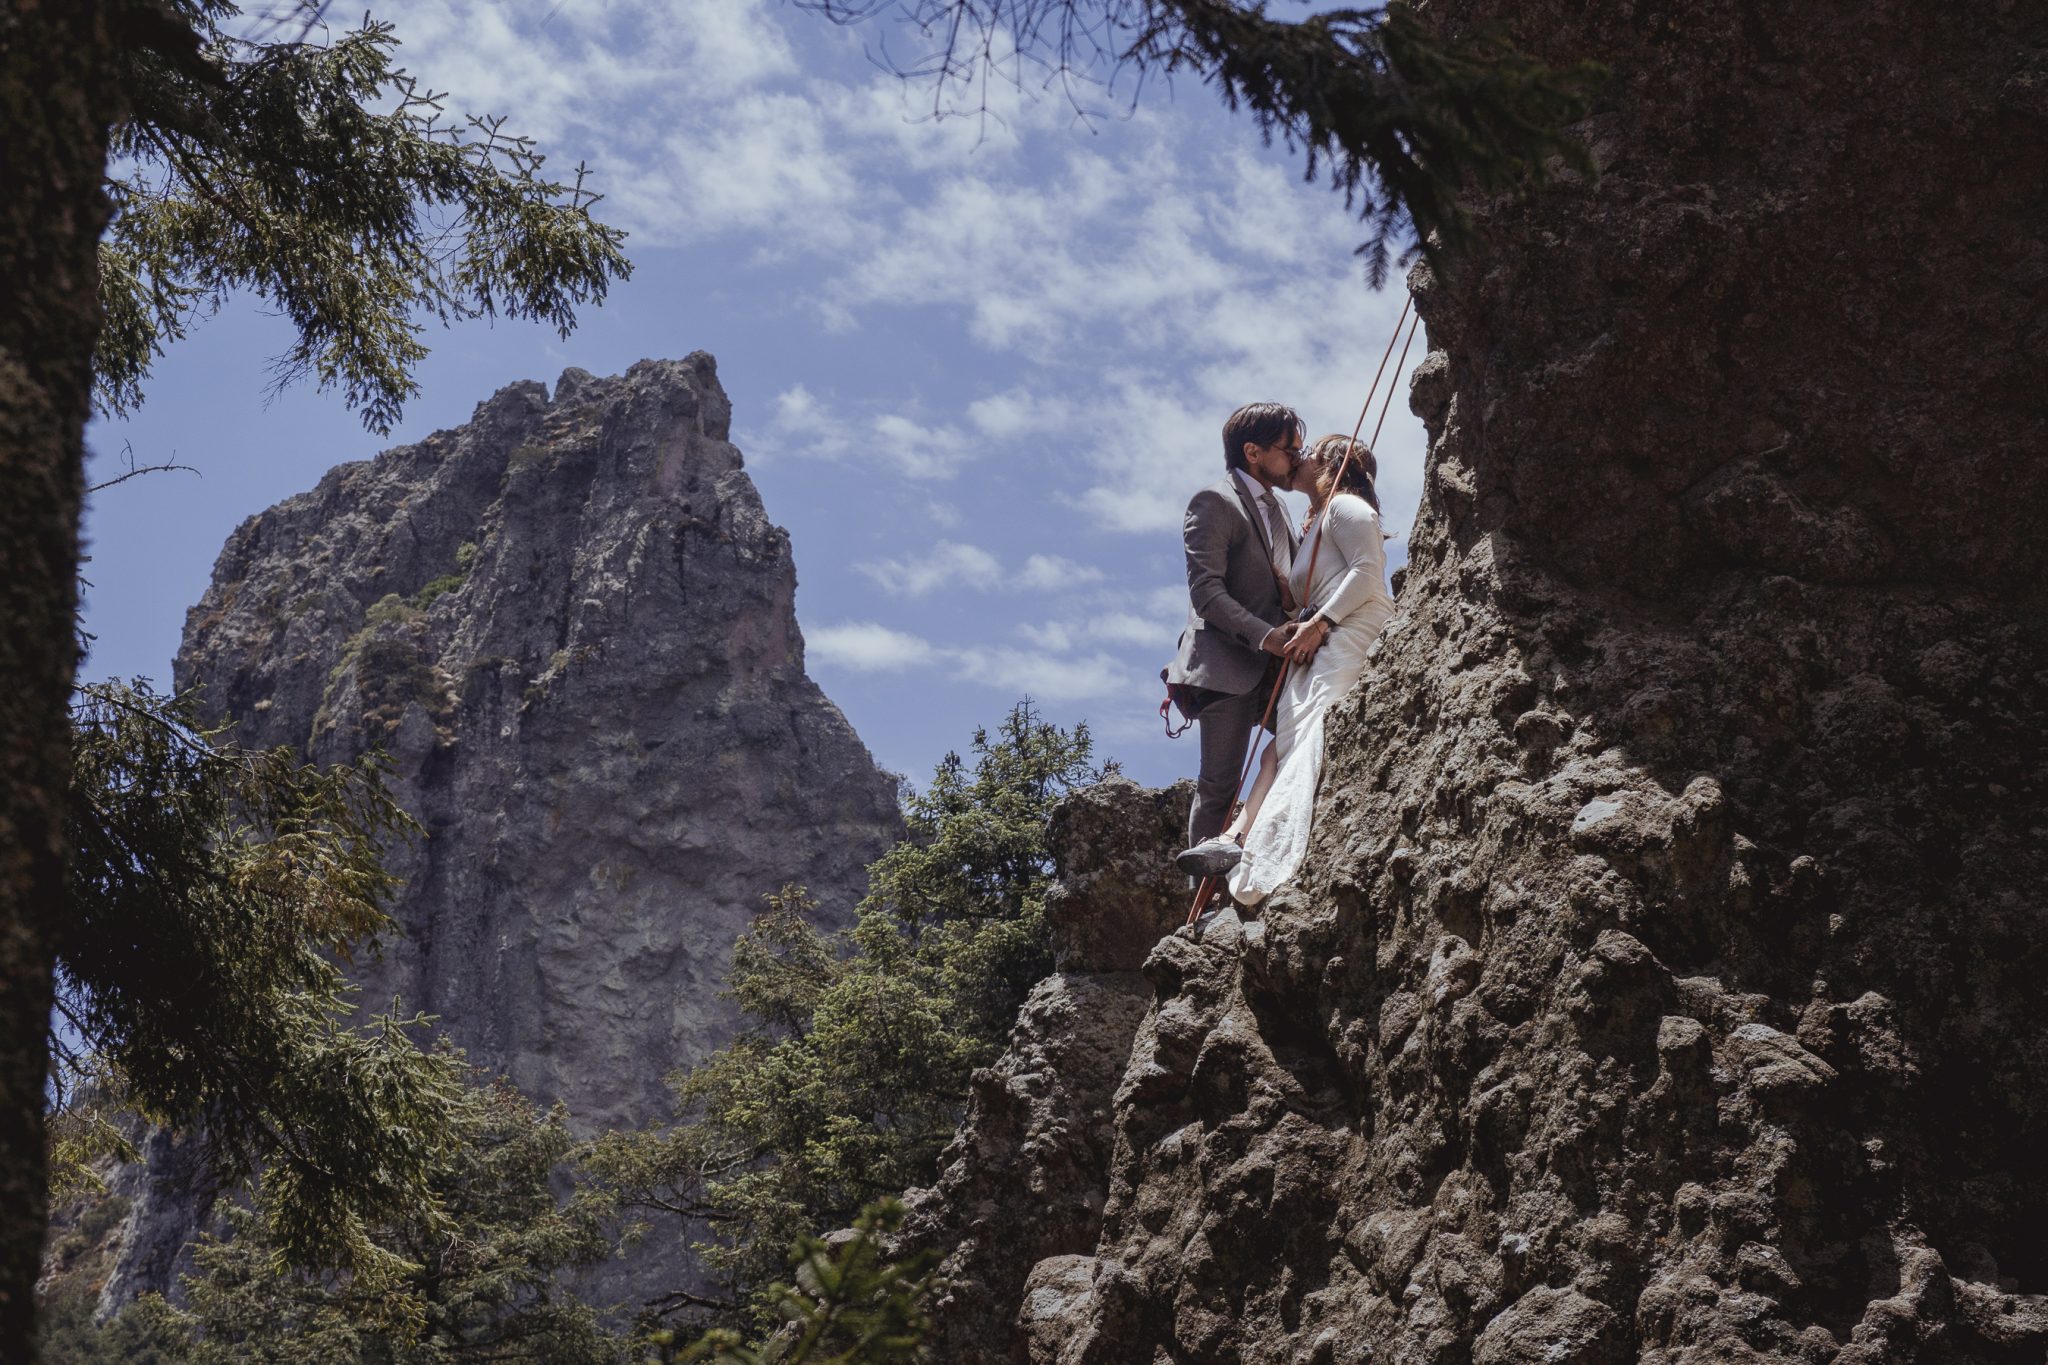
(977, 366)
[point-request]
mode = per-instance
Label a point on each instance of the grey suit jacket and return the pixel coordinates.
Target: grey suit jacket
(1233, 599)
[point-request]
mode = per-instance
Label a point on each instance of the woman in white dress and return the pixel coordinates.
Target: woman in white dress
(1351, 604)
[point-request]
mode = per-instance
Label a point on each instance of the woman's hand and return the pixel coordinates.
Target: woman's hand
(1307, 640)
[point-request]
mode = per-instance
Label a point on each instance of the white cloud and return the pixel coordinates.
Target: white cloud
(866, 647)
(695, 119)
(799, 415)
(947, 564)
(1051, 573)
(916, 450)
(1048, 674)
(1197, 284)
(1055, 636)
(1018, 412)
(1141, 283)
(1106, 629)
(728, 45)
(1127, 628)
(1168, 603)
(1047, 677)
(763, 163)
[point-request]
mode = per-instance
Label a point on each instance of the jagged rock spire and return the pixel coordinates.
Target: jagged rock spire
(572, 626)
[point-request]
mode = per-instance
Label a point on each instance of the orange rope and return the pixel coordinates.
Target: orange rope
(1390, 395)
(1207, 890)
(1351, 447)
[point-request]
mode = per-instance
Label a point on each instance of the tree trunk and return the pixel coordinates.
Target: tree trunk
(55, 101)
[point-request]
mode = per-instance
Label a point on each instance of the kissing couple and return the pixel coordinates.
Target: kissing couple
(1256, 605)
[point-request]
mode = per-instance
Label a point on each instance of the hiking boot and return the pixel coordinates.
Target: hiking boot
(1210, 858)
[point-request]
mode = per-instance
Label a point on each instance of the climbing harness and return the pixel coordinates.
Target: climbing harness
(1207, 889)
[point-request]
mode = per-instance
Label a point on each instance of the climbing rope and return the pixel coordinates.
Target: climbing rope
(1207, 889)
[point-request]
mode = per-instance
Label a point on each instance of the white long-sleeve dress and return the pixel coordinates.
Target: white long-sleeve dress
(1350, 588)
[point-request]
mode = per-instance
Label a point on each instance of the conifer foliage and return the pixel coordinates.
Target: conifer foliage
(854, 1072)
(273, 153)
(475, 1279)
(296, 160)
(851, 1305)
(215, 895)
(1402, 119)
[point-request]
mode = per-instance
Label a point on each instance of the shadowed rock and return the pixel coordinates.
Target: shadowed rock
(1668, 977)
(1116, 895)
(1026, 1175)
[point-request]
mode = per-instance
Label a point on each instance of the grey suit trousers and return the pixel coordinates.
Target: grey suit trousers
(1225, 728)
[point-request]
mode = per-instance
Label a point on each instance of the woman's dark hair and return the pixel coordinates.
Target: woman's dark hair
(1261, 424)
(1359, 474)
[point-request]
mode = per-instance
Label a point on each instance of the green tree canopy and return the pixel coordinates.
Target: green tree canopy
(851, 1305)
(215, 895)
(301, 163)
(854, 1072)
(479, 1279)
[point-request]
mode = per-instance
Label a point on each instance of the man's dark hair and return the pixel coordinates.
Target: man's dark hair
(1262, 424)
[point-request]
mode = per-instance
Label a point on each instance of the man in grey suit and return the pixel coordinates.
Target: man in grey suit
(1240, 545)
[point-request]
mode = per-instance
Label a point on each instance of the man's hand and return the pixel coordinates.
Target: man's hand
(1279, 638)
(1306, 640)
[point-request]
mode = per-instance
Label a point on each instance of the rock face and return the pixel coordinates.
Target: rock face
(572, 627)
(1669, 978)
(1026, 1177)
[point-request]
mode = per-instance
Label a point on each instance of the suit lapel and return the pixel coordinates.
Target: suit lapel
(1253, 514)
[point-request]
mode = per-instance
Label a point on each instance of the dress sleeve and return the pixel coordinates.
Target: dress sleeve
(1352, 529)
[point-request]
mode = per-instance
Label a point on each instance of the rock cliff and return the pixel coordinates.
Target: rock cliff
(571, 626)
(1669, 978)
(1025, 1177)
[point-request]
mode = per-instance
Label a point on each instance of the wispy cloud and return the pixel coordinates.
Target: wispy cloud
(1048, 677)
(1109, 628)
(950, 564)
(1106, 645)
(1053, 674)
(866, 647)
(1052, 573)
(813, 429)
(1142, 285)
(918, 450)
(946, 564)
(1019, 412)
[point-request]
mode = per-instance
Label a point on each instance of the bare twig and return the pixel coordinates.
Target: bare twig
(135, 470)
